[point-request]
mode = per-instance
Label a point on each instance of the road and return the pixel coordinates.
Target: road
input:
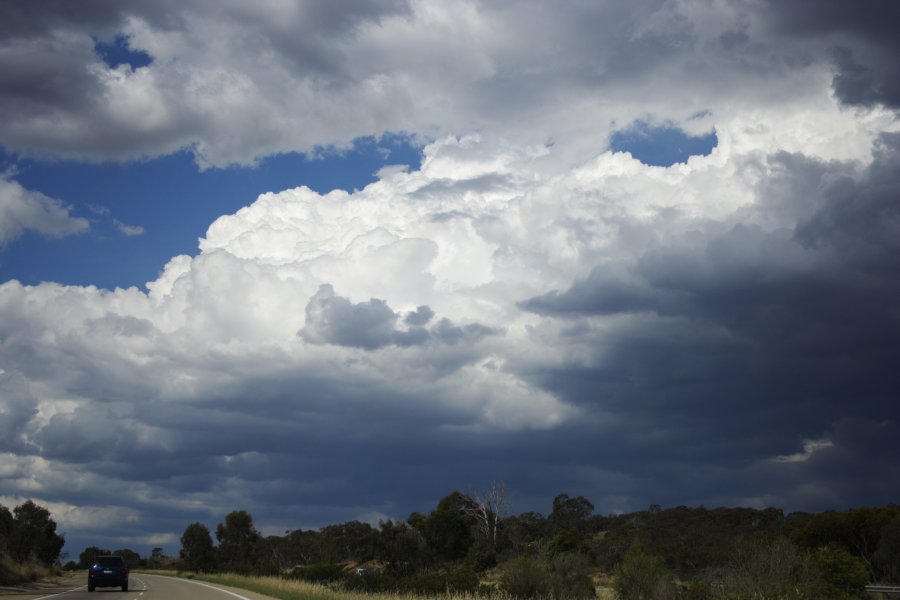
(141, 587)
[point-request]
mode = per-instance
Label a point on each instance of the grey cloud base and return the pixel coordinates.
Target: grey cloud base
(332, 319)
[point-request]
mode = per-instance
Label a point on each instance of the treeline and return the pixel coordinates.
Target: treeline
(132, 559)
(29, 544)
(468, 544)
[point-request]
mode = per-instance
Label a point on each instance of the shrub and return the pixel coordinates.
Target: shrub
(560, 577)
(372, 582)
(481, 557)
(319, 572)
(641, 576)
(525, 578)
(568, 577)
(777, 571)
(425, 583)
(845, 576)
(12, 572)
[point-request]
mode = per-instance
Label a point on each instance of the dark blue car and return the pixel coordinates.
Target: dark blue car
(108, 571)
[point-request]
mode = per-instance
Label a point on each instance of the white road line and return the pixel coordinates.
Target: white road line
(81, 587)
(206, 585)
(143, 585)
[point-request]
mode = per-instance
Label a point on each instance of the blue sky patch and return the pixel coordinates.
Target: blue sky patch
(144, 213)
(661, 146)
(120, 53)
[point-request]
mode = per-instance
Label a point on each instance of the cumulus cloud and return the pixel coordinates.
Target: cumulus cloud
(526, 306)
(233, 84)
(22, 209)
(654, 321)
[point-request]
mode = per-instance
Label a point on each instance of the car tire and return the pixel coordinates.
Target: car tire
(91, 587)
(125, 587)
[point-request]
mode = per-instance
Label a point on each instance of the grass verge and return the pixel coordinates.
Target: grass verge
(292, 589)
(13, 573)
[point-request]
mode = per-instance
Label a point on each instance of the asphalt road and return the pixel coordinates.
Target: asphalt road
(141, 587)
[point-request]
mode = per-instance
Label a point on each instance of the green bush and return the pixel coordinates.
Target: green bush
(568, 577)
(641, 576)
(426, 583)
(319, 573)
(845, 576)
(371, 582)
(525, 578)
(560, 577)
(780, 571)
(12, 572)
(481, 557)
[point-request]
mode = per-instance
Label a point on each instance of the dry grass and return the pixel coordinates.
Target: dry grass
(12, 573)
(292, 589)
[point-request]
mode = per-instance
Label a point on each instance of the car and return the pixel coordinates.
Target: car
(108, 571)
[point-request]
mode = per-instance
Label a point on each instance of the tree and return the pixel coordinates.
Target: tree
(132, 559)
(448, 529)
(346, 541)
(197, 550)
(524, 533)
(6, 528)
(237, 537)
(845, 576)
(887, 554)
(303, 547)
(487, 509)
(86, 558)
(399, 545)
(34, 535)
(271, 554)
(156, 558)
(570, 514)
(858, 530)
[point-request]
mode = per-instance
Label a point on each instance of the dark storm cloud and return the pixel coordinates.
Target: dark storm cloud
(22, 18)
(738, 345)
(864, 40)
(607, 290)
(55, 75)
(280, 447)
(17, 407)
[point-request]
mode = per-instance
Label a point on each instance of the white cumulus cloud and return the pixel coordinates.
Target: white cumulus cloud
(22, 209)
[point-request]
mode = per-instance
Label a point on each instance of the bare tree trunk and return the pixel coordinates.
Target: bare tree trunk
(488, 509)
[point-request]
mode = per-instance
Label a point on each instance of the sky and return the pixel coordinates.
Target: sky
(332, 261)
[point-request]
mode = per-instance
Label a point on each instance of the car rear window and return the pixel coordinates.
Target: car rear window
(108, 561)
